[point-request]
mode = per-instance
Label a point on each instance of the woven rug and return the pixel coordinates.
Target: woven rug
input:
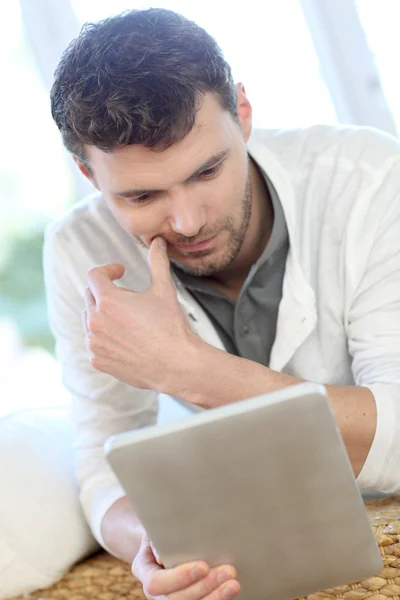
(103, 577)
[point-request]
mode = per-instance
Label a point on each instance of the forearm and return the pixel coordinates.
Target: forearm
(212, 378)
(122, 531)
(355, 413)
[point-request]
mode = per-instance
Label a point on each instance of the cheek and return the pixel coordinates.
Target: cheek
(232, 190)
(144, 222)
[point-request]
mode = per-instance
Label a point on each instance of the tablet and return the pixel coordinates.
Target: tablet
(264, 484)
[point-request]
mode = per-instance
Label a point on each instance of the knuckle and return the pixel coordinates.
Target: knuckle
(104, 304)
(135, 567)
(91, 344)
(95, 323)
(229, 570)
(94, 271)
(208, 585)
(94, 361)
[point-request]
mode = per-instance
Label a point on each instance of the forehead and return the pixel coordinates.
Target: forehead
(141, 167)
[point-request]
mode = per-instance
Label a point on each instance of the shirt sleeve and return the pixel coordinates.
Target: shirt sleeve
(373, 327)
(101, 405)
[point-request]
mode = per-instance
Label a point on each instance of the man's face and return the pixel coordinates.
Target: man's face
(196, 195)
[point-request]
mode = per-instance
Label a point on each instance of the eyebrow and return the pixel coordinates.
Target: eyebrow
(218, 157)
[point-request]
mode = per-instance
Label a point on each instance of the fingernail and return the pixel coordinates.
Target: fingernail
(162, 243)
(229, 591)
(224, 576)
(198, 572)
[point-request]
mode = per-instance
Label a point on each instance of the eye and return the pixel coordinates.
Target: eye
(211, 171)
(140, 199)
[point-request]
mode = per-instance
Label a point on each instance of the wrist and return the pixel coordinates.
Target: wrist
(187, 379)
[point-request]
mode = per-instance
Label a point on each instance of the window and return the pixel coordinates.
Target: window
(35, 181)
(380, 23)
(35, 185)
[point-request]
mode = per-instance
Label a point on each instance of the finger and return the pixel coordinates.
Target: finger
(159, 581)
(219, 578)
(100, 278)
(169, 581)
(228, 590)
(144, 563)
(90, 302)
(156, 554)
(145, 558)
(160, 268)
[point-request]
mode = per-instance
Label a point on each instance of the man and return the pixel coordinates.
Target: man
(214, 264)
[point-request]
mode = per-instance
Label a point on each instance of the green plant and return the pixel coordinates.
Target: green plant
(22, 295)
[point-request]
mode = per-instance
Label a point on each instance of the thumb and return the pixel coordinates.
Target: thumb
(144, 563)
(100, 278)
(156, 554)
(160, 268)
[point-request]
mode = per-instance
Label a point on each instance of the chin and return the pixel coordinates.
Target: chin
(202, 264)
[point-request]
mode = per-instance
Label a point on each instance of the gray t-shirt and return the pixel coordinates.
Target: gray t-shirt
(247, 327)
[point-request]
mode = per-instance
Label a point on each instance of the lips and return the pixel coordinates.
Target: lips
(195, 247)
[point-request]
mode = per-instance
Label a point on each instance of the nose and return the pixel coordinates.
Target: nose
(187, 216)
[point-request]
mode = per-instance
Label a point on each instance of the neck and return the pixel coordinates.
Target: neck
(231, 280)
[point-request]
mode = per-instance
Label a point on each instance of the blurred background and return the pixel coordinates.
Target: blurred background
(302, 62)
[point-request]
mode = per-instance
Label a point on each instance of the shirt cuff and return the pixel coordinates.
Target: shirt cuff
(96, 499)
(381, 470)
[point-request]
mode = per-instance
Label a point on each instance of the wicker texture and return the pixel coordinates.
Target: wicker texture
(103, 577)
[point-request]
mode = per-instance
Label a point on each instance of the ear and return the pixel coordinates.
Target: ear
(85, 171)
(244, 111)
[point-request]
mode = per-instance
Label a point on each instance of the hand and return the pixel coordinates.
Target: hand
(189, 581)
(139, 338)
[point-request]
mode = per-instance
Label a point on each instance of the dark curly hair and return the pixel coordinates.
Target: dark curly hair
(137, 78)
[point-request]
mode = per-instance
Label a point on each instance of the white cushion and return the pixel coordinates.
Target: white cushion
(43, 531)
(42, 528)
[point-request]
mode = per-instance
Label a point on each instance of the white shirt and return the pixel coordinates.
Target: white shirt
(338, 321)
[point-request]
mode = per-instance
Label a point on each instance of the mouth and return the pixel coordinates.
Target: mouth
(187, 248)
